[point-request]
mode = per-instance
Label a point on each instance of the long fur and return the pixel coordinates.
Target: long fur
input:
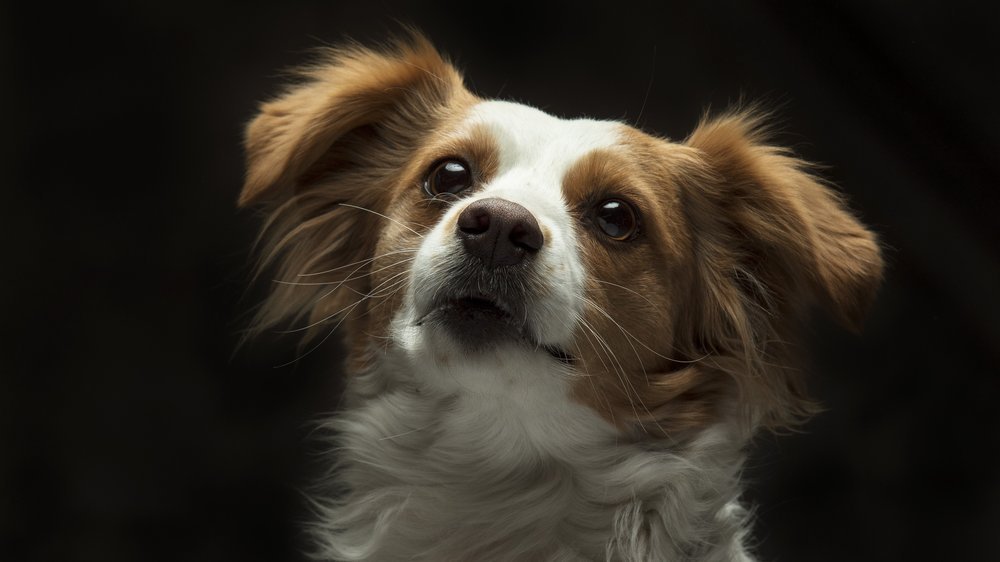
(674, 348)
(593, 496)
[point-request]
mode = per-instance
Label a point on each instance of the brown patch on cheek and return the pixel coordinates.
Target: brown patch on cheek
(413, 208)
(635, 376)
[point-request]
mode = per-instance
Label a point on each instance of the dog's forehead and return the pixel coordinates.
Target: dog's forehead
(528, 138)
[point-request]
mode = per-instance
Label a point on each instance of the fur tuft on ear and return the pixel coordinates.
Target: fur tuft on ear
(771, 239)
(773, 198)
(324, 160)
(401, 88)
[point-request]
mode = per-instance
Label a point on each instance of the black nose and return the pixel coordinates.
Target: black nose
(499, 232)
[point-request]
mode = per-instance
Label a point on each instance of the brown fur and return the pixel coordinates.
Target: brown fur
(346, 134)
(771, 241)
(738, 241)
(687, 323)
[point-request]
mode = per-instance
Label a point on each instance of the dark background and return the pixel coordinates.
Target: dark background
(131, 430)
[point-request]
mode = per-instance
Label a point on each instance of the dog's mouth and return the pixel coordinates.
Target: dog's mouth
(479, 321)
(479, 308)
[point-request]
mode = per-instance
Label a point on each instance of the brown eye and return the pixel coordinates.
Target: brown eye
(616, 218)
(448, 176)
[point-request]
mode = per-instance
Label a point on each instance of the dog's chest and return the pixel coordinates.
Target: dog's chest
(500, 475)
(475, 474)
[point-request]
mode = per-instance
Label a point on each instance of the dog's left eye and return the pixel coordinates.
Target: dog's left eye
(448, 176)
(616, 219)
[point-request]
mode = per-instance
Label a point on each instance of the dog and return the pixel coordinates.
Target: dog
(562, 334)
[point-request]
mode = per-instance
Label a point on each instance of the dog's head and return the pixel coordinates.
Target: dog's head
(661, 279)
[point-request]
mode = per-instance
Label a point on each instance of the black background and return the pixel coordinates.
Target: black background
(131, 430)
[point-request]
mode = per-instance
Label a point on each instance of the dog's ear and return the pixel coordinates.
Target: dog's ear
(794, 234)
(324, 159)
(384, 99)
(770, 239)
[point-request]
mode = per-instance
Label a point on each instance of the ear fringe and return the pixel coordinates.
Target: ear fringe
(332, 96)
(341, 133)
(775, 237)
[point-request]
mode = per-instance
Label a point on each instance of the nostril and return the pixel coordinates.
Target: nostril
(527, 235)
(474, 221)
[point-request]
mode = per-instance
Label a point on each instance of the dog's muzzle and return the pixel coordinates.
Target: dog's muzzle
(486, 294)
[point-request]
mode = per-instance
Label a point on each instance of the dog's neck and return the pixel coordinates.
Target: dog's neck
(456, 460)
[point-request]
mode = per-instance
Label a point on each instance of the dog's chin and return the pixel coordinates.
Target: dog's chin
(478, 324)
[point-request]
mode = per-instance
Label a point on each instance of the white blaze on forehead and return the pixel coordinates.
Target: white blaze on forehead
(538, 147)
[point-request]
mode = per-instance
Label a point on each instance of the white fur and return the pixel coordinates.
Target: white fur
(447, 455)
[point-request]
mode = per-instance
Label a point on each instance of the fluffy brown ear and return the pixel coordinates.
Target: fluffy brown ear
(387, 96)
(770, 239)
(797, 235)
(325, 158)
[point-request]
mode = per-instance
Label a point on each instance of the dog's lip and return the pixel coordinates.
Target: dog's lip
(476, 302)
(479, 302)
(485, 304)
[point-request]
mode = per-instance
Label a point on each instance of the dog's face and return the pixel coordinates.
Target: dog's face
(500, 264)
(655, 282)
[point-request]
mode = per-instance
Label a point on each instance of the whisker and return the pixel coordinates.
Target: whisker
(390, 219)
(351, 278)
(383, 298)
(320, 343)
(351, 306)
(618, 370)
(389, 290)
(339, 285)
(588, 375)
(600, 309)
(594, 347)
(349, 309)
(637, 340)
(375, 292)
(625, 380)
(404, 251)
(640, 295)
(341, 281)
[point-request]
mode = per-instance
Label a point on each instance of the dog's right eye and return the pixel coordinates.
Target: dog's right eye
(617, 219)
(448, 176)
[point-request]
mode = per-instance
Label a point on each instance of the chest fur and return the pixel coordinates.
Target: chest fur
(462, 475)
